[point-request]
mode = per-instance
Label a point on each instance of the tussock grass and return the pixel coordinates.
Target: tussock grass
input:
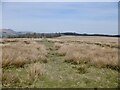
(19, 54)
(3, 41)
(94, 55)
(10, 79)
(0, 75)
(57, 45)
(64, 50)
(35, 72)
(29, 53)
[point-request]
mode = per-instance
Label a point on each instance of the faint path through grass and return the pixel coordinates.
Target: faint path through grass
(61, 74)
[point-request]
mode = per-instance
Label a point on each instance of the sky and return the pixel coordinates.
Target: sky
(59, 0)
(47, 17)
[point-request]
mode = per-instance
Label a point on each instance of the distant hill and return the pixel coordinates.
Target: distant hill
(7, 32)
(10, 32)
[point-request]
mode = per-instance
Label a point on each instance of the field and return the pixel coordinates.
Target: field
(62, 62)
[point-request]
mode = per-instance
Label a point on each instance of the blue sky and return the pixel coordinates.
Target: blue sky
(0, 15)
(88, 17)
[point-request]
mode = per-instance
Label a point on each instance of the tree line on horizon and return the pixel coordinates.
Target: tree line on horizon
(36, 35)
(52, 35)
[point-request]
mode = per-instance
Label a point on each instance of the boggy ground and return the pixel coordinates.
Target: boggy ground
(53, 70)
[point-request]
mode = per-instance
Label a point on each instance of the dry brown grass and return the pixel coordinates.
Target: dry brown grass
(0, 75)
(20, 53)
(94, 55)
(89, 39)
(9, 40)
(35, 72)
(96, 40)
(57, 45)
(10, 78)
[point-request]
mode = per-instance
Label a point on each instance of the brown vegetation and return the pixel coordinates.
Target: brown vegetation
(19, 54)
(94, 55)
(22, 57)
(10, 78)
(35, 72)
(57, 45)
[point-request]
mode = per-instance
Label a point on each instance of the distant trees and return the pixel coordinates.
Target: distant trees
(52, 35)
(85, 34)
(36, 35)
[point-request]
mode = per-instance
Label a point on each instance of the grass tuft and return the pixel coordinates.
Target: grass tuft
(35, 72)
(10, 79)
